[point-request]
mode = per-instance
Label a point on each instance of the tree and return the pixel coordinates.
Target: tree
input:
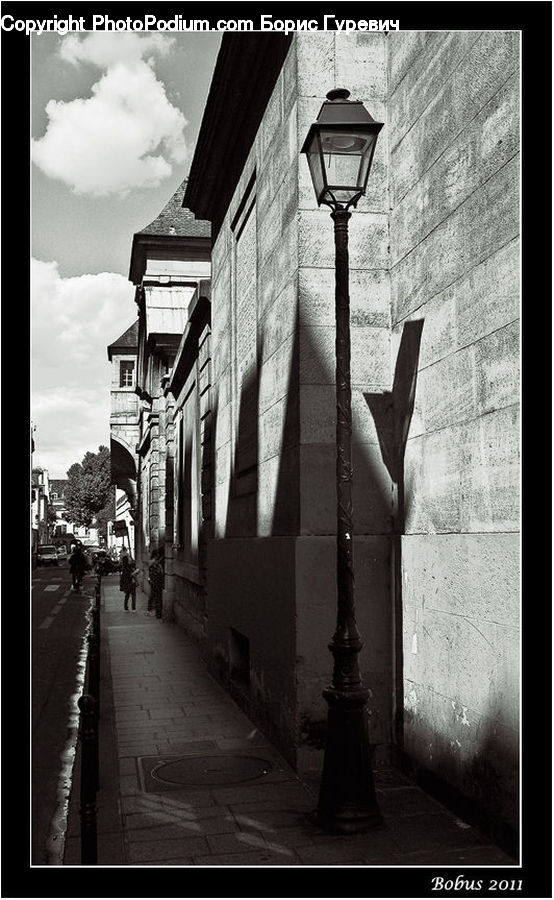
(51, 519)
(106, 514)
(88, 488)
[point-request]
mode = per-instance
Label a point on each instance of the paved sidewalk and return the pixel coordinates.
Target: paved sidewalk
(188, 780)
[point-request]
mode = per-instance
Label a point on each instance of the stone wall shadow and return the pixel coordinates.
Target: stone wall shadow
(242, 499)
(207, 484)
(392, 413)
(207, 502)
(191, 597)
(480, 792)
(286, 517)
(481, 798)
(371, 500)
(286, 510)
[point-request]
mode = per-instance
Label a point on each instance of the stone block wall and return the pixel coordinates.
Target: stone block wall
(433, 244)
(295, 306)
(454, 226)
(294, 486)
(250, 562)
(357, 62)
(269, 176)
(315, 595)
(251, 600)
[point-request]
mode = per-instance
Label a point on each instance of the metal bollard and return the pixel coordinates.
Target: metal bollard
(89, 849)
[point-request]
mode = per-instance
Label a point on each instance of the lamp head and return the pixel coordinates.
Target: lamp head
(340, 146)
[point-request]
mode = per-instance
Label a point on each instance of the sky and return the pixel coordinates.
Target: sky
(114, 122)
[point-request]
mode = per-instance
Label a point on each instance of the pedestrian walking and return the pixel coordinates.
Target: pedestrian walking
(77, 566)
(128, 582)
(156, 582)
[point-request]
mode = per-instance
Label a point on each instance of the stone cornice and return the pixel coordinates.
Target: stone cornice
(246, 70)
(167, 246)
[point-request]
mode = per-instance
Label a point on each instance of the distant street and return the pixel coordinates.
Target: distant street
(58, 631)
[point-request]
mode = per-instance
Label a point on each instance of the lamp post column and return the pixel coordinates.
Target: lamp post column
(347, 801)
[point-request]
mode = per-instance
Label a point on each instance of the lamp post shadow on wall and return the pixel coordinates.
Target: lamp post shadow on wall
(339, 148)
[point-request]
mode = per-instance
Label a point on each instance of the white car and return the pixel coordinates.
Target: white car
(47, 555)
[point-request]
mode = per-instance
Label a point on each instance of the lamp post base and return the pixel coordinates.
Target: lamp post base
(347, 802)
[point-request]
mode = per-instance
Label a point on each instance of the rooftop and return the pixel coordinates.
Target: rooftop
(128, 341)
(176, 220)
(174, 229)
(58, 484)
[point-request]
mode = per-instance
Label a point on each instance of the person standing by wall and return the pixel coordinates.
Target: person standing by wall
(128, 582)
(156, 581)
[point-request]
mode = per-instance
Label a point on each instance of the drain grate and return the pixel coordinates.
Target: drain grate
(172, 773)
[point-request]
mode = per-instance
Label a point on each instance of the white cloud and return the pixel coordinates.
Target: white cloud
(105, 48)
(127, 134)
(73, 321)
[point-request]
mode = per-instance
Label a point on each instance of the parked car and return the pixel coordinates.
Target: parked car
(47, 555)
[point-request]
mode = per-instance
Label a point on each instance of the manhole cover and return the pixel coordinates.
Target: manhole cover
(210, 770)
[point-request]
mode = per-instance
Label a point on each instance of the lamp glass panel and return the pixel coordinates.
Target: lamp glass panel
(315, 165)
(346, 157)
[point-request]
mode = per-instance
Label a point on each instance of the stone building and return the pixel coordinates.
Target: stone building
(124, 433)
(62, 529)
(40, 500)
(233, 446)
(434, 285)
(58, 487)
(170, 258)
(189, 502)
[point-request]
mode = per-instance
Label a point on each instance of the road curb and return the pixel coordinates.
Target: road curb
(109, 827)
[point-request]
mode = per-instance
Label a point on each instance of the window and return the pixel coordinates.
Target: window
(126, 373)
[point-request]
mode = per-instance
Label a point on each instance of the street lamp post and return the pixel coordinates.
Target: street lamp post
(340, 147)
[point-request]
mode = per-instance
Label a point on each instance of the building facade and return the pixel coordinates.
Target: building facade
(124, 435)
(121, 530)
(236, 386)
(189, 494)
(434, 263)
(169, 259)
(40, 500)
(454, 176)
(62, 529)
